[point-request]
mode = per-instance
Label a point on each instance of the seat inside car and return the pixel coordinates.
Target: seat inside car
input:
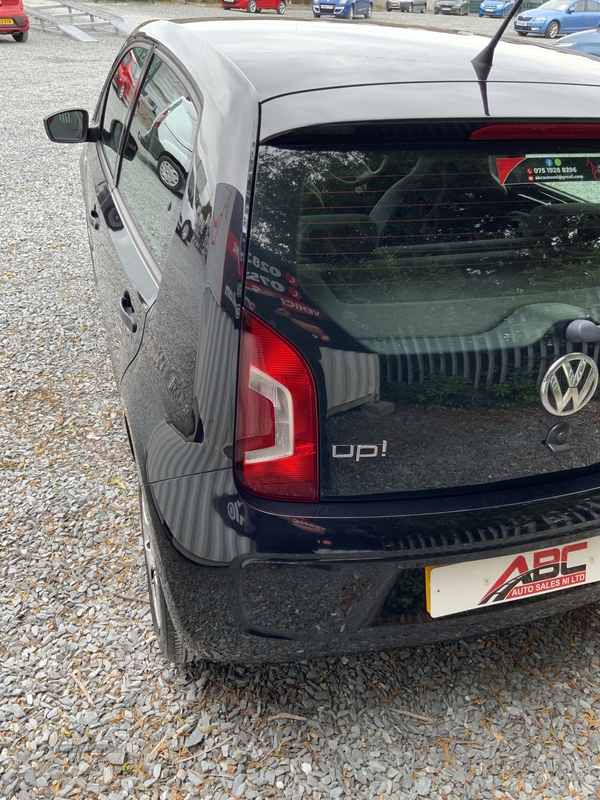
(441, 196)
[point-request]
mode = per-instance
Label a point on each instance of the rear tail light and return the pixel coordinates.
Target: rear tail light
(276, 447)
(161, 118)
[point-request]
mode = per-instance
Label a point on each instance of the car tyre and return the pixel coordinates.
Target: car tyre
(281, 7)
(186, 231)
(121, 91)
(251, 7)
(170, 173)
(388, 7)
(369, 11)
(410, 8)
(169, 640)
(21, 36)
(351, 12)
(552, 30)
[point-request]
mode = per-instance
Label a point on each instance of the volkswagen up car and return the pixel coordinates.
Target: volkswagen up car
(558, 17)
(14, 20)
(362, 397)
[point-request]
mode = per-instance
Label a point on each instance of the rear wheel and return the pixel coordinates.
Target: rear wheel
(552, 30)
(21, 36)
(281, 7)
(388, 7)
(251, 9)
(369, 12)
(169, 640)
(169, 172)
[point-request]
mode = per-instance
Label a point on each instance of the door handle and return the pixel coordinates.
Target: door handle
(127, 313)
(95, 219)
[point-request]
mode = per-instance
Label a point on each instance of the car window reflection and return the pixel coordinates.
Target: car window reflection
(153, 181)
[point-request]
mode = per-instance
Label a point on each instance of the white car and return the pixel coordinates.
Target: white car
(168, 139)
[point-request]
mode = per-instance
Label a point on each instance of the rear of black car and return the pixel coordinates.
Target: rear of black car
(417, 423)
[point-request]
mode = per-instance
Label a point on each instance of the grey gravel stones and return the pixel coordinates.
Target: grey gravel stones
(88, 707)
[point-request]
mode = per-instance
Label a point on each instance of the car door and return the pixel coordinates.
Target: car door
(592, 14)
(575, 18)
(121, 275)
(138, 211)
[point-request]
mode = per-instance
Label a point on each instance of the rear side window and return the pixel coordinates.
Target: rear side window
(426, 250)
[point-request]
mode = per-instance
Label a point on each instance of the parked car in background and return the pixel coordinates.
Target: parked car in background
(584, 42)
(459, 7)
(406, 5)
(14, 20)
(345, 9)
(495, 8)
(362, 398)
(126, 76)
(255, 6)
(557, 17)
(167, 140)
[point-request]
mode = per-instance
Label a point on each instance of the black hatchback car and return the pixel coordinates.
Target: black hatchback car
(358, 349)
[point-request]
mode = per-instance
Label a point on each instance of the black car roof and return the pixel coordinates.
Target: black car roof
(280, 57)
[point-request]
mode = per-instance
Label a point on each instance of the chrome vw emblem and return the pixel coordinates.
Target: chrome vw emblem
(569, 384)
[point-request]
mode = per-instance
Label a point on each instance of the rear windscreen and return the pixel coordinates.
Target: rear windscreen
(409, 250)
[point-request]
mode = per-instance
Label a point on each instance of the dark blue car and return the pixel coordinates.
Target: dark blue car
(557, 17)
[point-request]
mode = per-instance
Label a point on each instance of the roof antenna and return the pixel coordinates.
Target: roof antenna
(483, 62)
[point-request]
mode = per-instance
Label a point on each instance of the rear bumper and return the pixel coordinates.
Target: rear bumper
(21, 24)
(266, 607)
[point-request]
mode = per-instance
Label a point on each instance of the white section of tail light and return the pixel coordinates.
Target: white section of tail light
(281, 399)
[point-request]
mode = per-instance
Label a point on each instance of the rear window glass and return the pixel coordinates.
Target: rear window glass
(409, 250)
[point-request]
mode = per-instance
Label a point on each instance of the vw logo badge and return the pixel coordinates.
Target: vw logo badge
(569, 384)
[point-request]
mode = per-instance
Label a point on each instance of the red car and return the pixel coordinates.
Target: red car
(14, 20)
(126, 75)
(255, 6)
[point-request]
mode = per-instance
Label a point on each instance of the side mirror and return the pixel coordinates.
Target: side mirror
(67, 127)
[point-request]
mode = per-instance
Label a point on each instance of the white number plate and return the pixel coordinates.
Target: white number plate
(491, 581)
(520, 24)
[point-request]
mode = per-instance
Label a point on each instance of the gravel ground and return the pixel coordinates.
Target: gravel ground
(88, 707)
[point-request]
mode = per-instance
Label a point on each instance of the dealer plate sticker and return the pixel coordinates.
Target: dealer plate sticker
(492, 581)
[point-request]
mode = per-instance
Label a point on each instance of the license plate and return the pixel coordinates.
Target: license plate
(7, 22)
(520, 24)
(492, 581)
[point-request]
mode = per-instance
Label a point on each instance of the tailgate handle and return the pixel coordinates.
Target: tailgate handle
(127, 313)
(583, 330)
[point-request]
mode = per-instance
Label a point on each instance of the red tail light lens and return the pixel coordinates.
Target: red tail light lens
(276, 446)
(560, 130)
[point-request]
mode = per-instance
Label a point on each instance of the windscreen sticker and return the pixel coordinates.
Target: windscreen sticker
(539, 169)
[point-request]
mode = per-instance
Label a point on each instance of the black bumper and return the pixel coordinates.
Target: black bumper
(270, 607)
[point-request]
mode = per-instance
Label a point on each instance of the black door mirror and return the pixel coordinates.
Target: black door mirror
(68, 127)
